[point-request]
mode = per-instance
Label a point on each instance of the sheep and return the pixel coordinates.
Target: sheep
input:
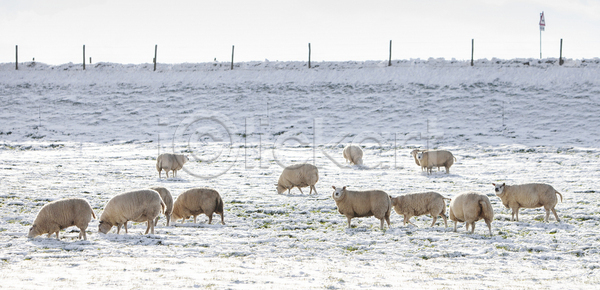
(470, 207)
(298, 175)
(195, 201)
(137, 206)
(430, 159)
(353, 154)
(167, 198)
(363, 204)
(531, 195)
(417, 204)
(61, 214)
(170, 162)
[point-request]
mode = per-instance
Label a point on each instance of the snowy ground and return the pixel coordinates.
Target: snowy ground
(93, 134)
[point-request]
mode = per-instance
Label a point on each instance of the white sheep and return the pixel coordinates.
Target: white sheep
(137, 206)
(531, 195)
(170, 162)
(195, 201)
(353, 154)
(416, 204)
(363, 204)
(167, 198)
(61, 214)
(436, 158)
(298, 175)
(470, 207)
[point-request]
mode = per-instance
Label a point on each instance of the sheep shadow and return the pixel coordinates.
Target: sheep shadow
(172, 180)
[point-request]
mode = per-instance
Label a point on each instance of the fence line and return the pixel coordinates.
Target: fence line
(154, 60)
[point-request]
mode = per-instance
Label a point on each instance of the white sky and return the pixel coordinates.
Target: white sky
(198, 31)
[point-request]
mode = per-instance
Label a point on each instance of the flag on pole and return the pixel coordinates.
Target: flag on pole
(542, 22)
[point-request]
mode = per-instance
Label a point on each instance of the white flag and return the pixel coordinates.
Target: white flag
(542, 21)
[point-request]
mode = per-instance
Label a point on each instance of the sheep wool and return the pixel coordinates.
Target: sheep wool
(195, 201)
(470, 207)
(299, 175)
(416, 204)
(167, 198)
(61, 214)
(530, 195)
(363, 204)
(137, 206)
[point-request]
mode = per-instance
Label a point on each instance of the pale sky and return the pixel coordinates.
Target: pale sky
(198, 31)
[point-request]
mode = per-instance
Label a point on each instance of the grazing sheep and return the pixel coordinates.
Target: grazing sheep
(430, 159)
(167, 198)
(363, 204)
(470, 207)
(137, 206)
(353, 154)
(61, 214)
(417, 204)
(195, 201)
(298, 175)
(529, 195)
(170, 162)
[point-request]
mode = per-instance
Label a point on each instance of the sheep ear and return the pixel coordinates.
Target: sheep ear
(503, 184)
(493, 184)
(333, 187)
(344, 188)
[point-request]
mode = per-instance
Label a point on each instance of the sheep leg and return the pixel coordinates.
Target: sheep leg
(126, 228)
(547, 216)
(313, 187)
(222, 220)
(118, 228)
(168, 220)
(447, 170)
(489, 224)
(209, 218)
(455, 224)
(381, 224)
(555, 215)
(195, 218)
(167, 172)
(300, 190)
(174, 173)
(445, 220)
(472, 227)
(156, 221)
(349, 218)
(433, 222)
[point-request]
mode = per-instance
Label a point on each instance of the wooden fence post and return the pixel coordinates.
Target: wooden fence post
(84, 57)
(560, 60)
(390, 61)
(16, 57)
(232, 49)
(309, 55)
(472, 49)
(155, 50)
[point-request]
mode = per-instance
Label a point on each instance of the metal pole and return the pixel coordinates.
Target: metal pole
(472, 49)
(390, 61)
(232, 49)
(540, 43)
(84, 57)
(560, 60)
(155, 50)
(16, 57)
(309, 55)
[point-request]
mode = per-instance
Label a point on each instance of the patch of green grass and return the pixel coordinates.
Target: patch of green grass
(351, 248)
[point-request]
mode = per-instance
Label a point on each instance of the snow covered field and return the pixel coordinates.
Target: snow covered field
(92, 134)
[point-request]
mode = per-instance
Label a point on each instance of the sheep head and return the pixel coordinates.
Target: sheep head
(33, 231)
(338, 193)
(499, 188)
(104, 227)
